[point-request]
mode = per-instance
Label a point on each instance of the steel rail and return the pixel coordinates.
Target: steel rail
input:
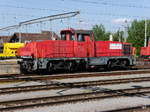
(142, 108)
(51, 85)
(65, 76)
(72, 98)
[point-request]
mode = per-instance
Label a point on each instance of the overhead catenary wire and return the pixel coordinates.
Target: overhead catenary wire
(110, 4)
(9, 27)
(102, 2)
(109, 14)
(16, 14)
(98, 2)
(30, 8)
(50, 18)
(115, 15)
(42, 19)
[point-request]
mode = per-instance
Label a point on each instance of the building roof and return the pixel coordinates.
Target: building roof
(44, 35)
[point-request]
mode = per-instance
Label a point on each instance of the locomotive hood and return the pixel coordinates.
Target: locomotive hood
(27, 50)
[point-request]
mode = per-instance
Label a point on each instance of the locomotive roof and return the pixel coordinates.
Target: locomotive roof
(84, 31)
(78, 31)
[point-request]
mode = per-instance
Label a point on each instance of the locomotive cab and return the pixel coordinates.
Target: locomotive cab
(83, 41)
(78, 35)
(67, 35)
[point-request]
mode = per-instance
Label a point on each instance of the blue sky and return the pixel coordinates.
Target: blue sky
(110, 13)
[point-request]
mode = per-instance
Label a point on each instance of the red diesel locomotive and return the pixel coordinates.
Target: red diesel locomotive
(77, 49)
(145, 52)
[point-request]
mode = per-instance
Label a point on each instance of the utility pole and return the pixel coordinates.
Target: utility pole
(19, 33)
(126, 31)
(145, 42)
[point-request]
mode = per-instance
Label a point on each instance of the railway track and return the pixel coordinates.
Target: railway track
(143, 108)
(73, 98)
(65, 76)
(97, 94)
(60, 85)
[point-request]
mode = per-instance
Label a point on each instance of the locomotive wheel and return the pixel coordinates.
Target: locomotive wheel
(70, 67)
(125, 64)
(83, 65)
(50, 68)
(26, 68)
(109, 65)
(29, 69)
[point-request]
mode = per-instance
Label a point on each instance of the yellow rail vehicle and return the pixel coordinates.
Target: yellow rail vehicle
(9, 50)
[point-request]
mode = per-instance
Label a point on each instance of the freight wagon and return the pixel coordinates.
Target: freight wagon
(77, 49)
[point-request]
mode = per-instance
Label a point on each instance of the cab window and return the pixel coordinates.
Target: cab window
(80, 37)
(72, 37)
(63, 36)
(1, 49)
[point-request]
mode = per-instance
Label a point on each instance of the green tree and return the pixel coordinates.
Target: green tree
(136, 34)
(100, 33)
(118, 36)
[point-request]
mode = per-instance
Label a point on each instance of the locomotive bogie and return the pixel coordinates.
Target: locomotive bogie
(110, 62)
(48, 64)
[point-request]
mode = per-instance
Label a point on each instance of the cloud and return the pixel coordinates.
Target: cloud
(120, 20)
